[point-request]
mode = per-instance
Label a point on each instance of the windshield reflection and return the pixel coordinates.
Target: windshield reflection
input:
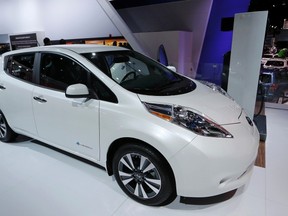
(139, 74)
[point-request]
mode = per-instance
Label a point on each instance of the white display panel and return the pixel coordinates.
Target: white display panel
(120, 24)
(247, 45)
(66, 19)
(178, 46)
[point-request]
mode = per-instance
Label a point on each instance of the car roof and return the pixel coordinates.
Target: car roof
(78, 48)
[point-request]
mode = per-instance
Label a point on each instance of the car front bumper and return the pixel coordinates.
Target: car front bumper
(211, 166)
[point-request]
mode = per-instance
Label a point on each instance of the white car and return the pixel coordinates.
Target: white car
(159, 133)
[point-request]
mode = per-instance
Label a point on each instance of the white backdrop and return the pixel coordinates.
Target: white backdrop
(247, 46)
(57, 18)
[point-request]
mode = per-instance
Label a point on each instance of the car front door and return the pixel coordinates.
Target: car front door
(68, 123)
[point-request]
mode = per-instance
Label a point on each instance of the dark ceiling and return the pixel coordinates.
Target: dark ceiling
(278, 9)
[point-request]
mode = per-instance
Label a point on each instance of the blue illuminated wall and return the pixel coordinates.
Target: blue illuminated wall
(217, 42)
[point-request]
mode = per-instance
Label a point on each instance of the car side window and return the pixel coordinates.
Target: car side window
(21, 66)
(58, 72)
(102, 91)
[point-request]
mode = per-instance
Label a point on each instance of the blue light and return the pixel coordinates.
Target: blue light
(217, 42)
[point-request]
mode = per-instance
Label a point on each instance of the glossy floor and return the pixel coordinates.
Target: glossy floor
(36, 180)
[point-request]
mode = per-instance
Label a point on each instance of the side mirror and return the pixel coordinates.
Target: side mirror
(172, 68)
(77, 91)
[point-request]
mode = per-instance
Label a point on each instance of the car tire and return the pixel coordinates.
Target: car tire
(6, 133)
(144, 175)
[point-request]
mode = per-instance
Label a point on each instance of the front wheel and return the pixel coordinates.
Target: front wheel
(6, 133)
(144, 175)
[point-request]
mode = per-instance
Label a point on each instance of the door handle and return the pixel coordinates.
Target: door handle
(2, 87)
(39, 99)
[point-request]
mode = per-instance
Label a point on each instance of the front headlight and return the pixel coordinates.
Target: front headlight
(188, 118)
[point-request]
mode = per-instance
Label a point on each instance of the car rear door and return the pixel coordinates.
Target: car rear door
(17, 84)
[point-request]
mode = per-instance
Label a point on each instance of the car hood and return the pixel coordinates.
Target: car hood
(214, 105)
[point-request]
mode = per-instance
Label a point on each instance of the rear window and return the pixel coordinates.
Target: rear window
(21, 66)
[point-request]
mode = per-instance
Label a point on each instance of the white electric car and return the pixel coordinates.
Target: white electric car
(159, 133)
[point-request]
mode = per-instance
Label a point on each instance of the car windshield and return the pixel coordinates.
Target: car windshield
(139, 74)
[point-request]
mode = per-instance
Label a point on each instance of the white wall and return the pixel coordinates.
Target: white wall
(189, 16)
(178, 47)
(57, 18)
(69, 19)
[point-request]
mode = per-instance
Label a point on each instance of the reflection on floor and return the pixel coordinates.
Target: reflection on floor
(38, 181)
(260, 160)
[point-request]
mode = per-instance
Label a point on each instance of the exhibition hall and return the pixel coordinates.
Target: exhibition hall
(130, 107)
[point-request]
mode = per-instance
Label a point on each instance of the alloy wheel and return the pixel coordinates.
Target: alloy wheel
(3, 126)
(139, 175)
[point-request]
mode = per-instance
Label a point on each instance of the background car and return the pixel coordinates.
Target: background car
(273, 85)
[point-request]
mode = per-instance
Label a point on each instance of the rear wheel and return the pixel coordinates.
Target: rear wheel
(6, 133)
(144, 175)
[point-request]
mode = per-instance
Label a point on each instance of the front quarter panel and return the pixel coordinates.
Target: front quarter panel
(132, 120)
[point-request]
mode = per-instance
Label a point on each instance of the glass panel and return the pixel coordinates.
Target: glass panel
(58, 72)
(139, 74)
(21, 66)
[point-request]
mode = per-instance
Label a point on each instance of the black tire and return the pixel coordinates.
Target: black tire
(144, 175)
(6, 133)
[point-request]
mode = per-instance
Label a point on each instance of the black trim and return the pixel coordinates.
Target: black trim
(68, 154)
(36, 68)
(208, 200)
(78, 96)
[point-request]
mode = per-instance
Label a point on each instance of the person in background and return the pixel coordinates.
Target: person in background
(62, 41)
(46, 41)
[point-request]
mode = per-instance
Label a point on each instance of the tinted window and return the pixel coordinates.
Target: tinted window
(99, 62)
(58, 72)
(102, 91)
(21, 66)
